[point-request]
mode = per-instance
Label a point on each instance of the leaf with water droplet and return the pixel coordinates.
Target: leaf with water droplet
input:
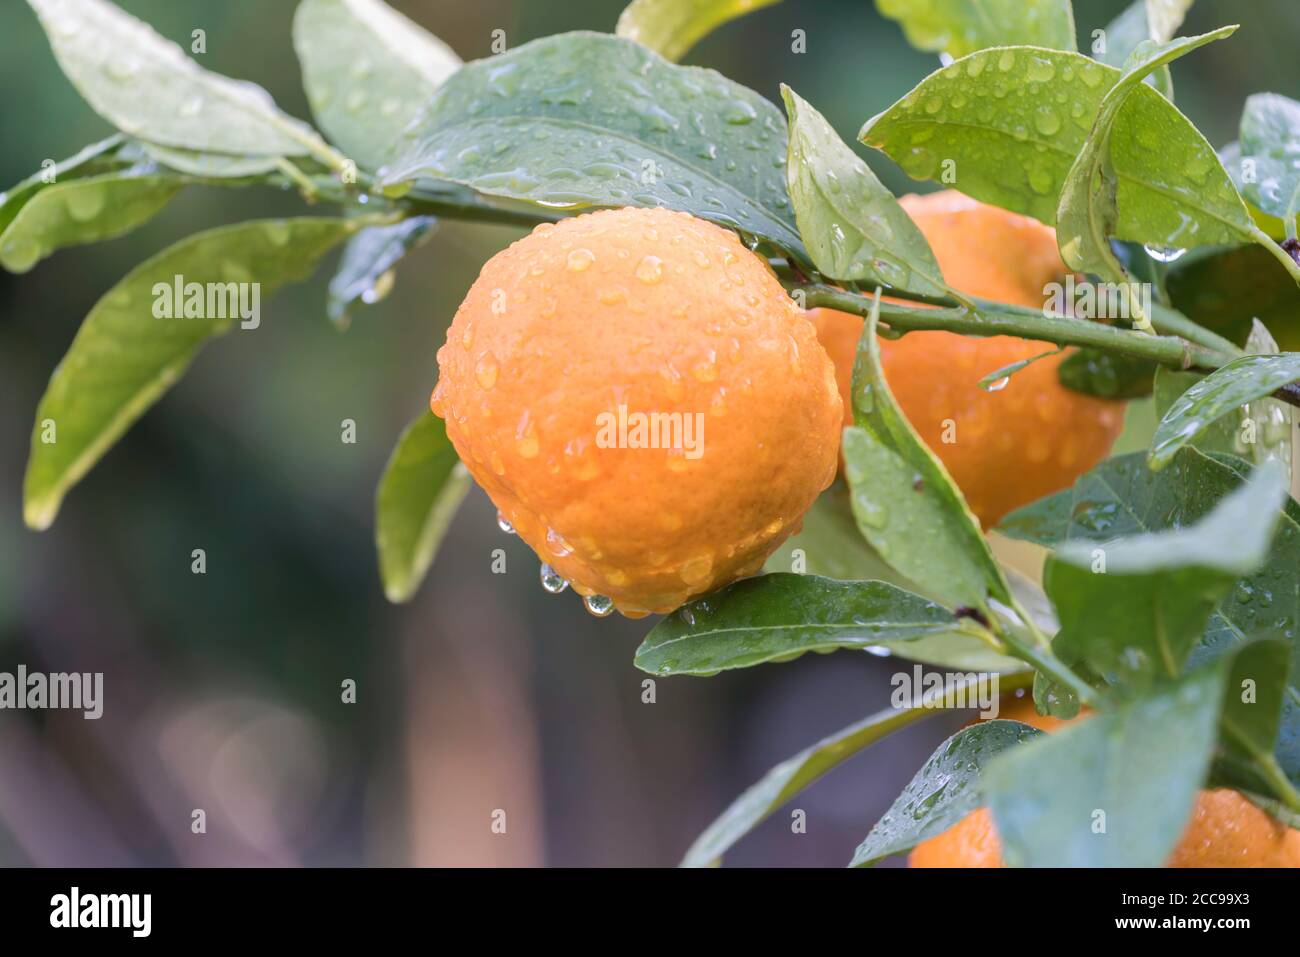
(1119, 186)
(943, 791)
(761, 619)
(95, 159)
(124, 356)
(1141, 761)
(211, 166)
(1218, 394)
(79, 211)
(672, 27)
(853, 227)
(618, 125)
(364, 110)
(927, 533)
(795, 773)
(368, 257)
(146, 86)
(1270, 138)
(422, 487)
(958, 27)
(1138, 614)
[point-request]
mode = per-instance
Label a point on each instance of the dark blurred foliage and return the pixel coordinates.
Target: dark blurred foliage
(223, 690)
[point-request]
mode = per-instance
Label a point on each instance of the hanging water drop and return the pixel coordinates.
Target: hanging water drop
(599, 605)
(552, 580)
(503, 523)
(1164, 254)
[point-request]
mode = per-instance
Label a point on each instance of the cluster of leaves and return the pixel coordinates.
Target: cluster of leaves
(1173, 575)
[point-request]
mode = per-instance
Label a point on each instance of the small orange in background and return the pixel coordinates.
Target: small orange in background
(568, 345)
(1225, 829)
(1008, 447)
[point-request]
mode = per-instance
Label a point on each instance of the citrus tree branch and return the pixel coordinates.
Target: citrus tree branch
(999, 319)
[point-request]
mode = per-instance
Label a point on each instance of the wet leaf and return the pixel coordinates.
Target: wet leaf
(1270, 138)
(210, 166)
(795, 773)
(830, 545)
(1252, 713)
(1113, 791)
(367, 263)
(1144, 20)
(146, 86)
(853, 227)
(82, 211)
(958, 27)
(780, 616)
(1226, 288)
(124, 358)
(903, 499)
(945, 790)
(1095, 190)
(1109, 376)
(95, 159)
(586, 120)
(422, 486)
(672, 27)
(1221, 392)
(1134, 607)
(368, 70)
(1123, 497)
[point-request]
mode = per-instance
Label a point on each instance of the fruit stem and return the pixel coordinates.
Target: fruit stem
(999, 319)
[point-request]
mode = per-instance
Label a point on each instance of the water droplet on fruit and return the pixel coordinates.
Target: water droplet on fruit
(552, 581)
(598, 605)
(503, 523)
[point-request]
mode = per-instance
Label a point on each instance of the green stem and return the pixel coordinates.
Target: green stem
(1280, 254)
(1282, 785)
(999, 319)
(1028, 643)
(1171, 322)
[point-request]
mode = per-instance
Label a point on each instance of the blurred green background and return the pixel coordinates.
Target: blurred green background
(223, 690)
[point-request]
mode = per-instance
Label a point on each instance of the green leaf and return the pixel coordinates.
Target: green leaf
(586, 119)
(781, 616)
(795, 773)
(995, 114)
(94, 159)
(1123, 497)
(854, 228)
(958, 27)
(904, 502)
(1144, 20)
(1113, 791)
(210, 166)
(1104, 374)
(368, 70)
(1226, 288)
(1137, 606)
(1018, 153)
(945, 790)
(124, 358)
(146, 86)
(1095, 190)
(1270, 137)
(82, 211)
(1252, 711)
(1219, 393)
(830, 545)
(422, 486)
(365, 272)
(671, 27)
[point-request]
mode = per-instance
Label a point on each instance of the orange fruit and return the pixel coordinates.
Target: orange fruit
(1004, 448)
(1225, 829)
(570, 342)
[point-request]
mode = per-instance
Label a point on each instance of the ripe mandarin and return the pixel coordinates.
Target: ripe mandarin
(571, 341)
(1004, 448)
